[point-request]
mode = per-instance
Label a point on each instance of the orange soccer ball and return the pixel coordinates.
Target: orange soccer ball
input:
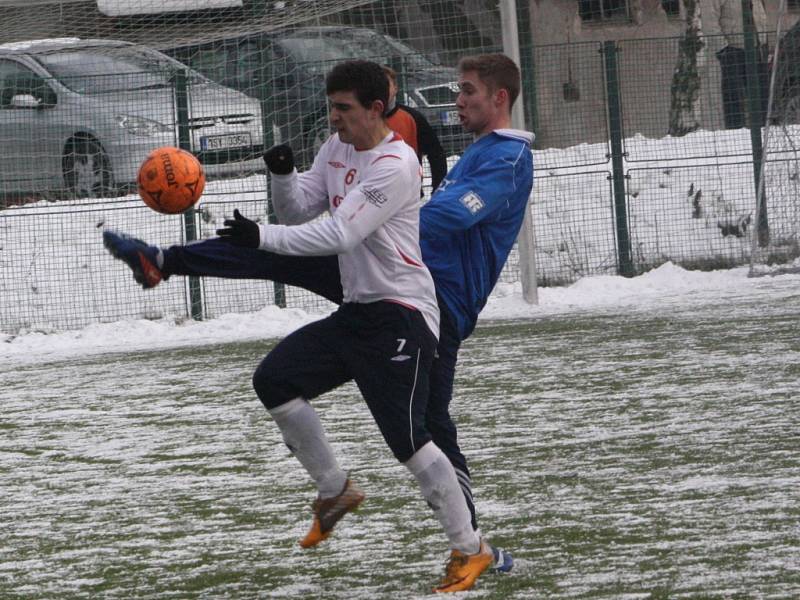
(170, 180)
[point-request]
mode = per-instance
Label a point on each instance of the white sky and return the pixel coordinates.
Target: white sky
(667, 286)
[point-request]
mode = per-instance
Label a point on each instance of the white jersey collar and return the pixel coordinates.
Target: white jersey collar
(518, 134)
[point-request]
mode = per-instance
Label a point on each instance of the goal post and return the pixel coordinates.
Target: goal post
(525, 240)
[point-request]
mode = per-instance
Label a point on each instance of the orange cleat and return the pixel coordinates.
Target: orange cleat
(328, 511)
(463, 569)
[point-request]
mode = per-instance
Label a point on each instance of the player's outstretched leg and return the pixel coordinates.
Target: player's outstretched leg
(463, 569)
(328, 511)
(145, 261)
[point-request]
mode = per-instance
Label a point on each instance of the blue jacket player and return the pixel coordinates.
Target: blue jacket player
(467, 230)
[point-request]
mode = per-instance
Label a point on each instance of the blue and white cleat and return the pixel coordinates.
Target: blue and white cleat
(143, 260)
(503, 561)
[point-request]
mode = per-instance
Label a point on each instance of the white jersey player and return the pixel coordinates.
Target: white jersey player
(373, 198)
(384, 334)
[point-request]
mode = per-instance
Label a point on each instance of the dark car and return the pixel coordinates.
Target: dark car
(286, 71)
(787, 78)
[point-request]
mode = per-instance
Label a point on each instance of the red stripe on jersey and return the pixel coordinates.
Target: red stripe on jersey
(408, 260)
(385, 156)
(358, 210)
(401, 304)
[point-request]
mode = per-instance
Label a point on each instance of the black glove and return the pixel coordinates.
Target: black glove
(279, 159)
(240, 231)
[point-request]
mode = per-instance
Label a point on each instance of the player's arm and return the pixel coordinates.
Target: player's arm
(365, 208)
(379, 196)
(469, 200)
(296, 198)
(430, 147)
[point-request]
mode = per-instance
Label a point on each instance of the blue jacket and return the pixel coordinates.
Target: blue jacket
(471, 222)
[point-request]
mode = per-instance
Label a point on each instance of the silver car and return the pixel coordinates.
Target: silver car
(79, 116)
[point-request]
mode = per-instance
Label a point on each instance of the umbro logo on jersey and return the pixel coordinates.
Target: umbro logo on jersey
(336, 164)
(374, 196)
(400, 357)
(472, 201)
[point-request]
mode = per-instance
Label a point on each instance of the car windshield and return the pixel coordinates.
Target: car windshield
(317, 52)
(101, 69)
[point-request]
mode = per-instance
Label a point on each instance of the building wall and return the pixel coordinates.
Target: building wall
(570, 87)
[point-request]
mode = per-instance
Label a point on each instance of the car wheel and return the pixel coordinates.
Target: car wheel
(87, 170)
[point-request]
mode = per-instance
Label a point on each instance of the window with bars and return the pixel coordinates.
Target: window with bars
(598, 11)
(671, 7)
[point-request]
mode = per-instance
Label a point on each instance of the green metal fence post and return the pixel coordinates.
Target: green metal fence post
(190, 216)
(267, 122)
(609, 51)
(755, 112)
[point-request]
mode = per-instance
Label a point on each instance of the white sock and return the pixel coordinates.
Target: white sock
(303, 433)
(439, 484)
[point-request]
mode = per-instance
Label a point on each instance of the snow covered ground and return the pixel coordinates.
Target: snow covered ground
(628, 438)
(666, 285)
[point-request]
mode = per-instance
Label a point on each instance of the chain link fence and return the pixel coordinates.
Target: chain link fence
(633, 164)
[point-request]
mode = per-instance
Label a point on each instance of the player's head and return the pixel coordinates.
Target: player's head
(364, 78)
(489, 85)
(496, 71)
(358, 93)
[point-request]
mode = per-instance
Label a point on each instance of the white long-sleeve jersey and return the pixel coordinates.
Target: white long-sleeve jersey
(373, 197)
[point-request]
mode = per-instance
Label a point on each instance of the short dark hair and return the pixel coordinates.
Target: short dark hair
(363, 77)
(497, 71)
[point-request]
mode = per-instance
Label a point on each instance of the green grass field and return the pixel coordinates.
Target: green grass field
(648, 455)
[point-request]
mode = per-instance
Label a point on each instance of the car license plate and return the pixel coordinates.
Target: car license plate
(222, 142)
(449, 117)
